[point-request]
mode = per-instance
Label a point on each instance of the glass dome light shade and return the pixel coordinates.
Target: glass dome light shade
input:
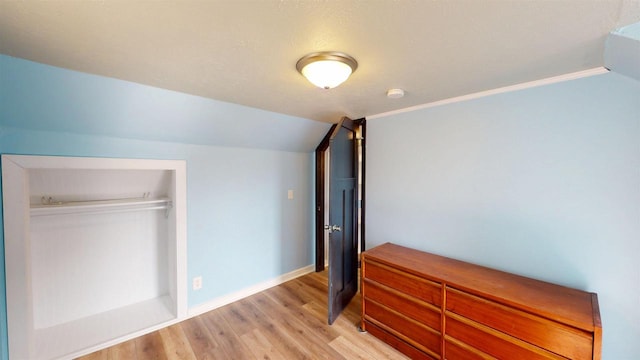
(327, 70)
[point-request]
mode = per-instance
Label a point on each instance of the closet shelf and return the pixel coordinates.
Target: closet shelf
(101, 206)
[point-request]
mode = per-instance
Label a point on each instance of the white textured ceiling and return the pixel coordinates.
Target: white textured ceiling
(245, 52)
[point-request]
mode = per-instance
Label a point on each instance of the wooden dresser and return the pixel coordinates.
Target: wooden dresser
(432, 307)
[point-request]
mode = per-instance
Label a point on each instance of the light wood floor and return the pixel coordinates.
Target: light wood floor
(288, 321)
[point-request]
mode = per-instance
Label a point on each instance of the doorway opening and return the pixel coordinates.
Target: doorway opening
(340, 169)
(322, 190)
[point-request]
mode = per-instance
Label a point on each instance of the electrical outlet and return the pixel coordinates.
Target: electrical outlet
(197, 283)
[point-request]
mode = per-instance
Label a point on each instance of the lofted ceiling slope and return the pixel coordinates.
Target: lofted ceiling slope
(245, 52)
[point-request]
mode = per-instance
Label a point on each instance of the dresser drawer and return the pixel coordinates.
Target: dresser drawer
(558, 338)
(409, 306)
(455, 350)
(428, 291)
(409, 330)
(397, 343)
(492, 342)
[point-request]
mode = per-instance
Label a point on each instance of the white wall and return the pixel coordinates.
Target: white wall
(543, 182)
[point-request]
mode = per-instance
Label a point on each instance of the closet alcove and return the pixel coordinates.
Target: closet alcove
(95, 251)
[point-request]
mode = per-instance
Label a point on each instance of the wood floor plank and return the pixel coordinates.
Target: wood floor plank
(306, 336)
(230, 346)
(348, 329)
(260, 346)
(349, 349)
(297, 289)
(283, 300)
(150, 347)
(315, 285)
(283, 341)
(200, 339)
(288, 321)
(175, 343)
(98, 355)
(240, 317)
(123, 351)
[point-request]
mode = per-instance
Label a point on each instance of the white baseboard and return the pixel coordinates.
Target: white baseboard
(246, 292)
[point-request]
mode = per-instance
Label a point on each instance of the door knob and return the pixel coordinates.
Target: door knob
(332, 228)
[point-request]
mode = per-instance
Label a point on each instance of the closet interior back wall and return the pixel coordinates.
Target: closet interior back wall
(95, 251)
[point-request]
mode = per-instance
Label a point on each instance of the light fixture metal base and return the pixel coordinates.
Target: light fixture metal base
(327, 56)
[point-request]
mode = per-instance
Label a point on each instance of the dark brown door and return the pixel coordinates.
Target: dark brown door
(342, 227)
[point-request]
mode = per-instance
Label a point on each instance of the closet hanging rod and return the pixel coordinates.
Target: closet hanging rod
(102, 206)
(51, 201)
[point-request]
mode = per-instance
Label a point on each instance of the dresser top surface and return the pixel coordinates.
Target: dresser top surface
(566, 305)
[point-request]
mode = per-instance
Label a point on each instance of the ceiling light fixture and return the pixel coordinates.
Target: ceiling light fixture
(327, 69)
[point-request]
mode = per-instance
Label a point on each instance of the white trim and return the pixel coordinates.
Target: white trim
(246, 292)
(522, 86)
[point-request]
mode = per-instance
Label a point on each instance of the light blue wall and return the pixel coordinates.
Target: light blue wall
(241, 228)
(241, 162)
(543, 182)
(622, 51)
(41, 97)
